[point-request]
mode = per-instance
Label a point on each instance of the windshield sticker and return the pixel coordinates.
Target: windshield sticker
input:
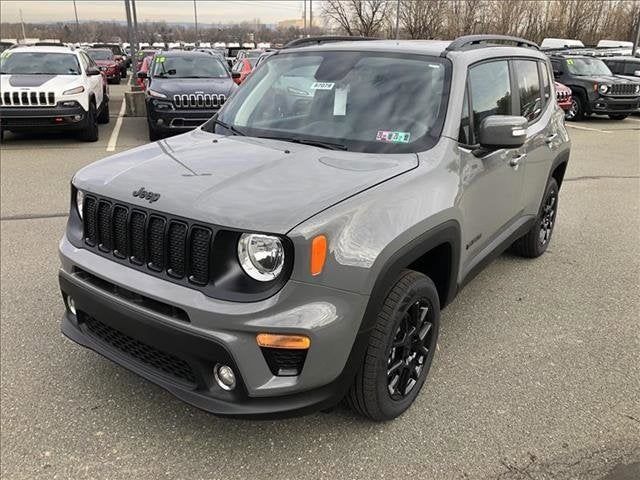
(340, 102)
(569, 61)
(392, 137)
(322, 86)
(160, 59)
(5, 54)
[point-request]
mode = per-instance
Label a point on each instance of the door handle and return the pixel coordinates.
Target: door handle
(551, 138)
(515, 161)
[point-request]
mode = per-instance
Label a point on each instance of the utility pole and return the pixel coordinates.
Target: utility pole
(24, 35)
(311, 17)
(398, 20)
(195, 15)
(304, 17)
(134, 14)
(636, 42)
(132, 45)
(75, 10)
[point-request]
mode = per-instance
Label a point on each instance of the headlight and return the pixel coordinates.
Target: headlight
(153, 93)
(74, 91)
(261, 256)
(79, 201)
(637, 89)
(603, 88)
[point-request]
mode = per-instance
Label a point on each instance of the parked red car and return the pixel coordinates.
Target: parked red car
(105, 60)
(563, 96)
(242, 69)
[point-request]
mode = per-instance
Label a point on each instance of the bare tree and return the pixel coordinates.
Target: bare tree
(359, 17)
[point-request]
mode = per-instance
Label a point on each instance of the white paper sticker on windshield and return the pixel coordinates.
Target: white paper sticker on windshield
(322, 86)
(340, 102)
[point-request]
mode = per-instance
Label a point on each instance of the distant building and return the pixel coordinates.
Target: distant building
(296, 23)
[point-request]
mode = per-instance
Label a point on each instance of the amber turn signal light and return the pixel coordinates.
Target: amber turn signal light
(294, 342)
(318, 254)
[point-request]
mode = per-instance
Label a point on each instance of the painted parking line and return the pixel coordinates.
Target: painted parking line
(113, 139)
(577, 127)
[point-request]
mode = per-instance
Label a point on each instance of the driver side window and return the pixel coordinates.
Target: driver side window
(490, 88)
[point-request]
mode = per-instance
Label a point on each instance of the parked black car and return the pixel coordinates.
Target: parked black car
(595, 90)
(184, 90)
(624, 66)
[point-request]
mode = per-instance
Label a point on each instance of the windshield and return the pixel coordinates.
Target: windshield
(100, 54)
(197, 66)
(359, 101)
(587, 66)
(38, 63)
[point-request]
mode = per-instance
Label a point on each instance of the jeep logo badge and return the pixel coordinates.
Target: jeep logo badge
(146, 195)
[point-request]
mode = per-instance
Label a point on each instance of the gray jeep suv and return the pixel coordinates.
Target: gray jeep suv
(297, 248)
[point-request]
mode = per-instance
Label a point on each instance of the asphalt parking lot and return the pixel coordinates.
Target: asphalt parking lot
(537, 374)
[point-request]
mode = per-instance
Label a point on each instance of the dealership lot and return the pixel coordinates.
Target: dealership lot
(537, 373)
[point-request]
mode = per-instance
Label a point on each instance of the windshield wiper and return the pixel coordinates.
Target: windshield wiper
(231, 128)
(308, 141)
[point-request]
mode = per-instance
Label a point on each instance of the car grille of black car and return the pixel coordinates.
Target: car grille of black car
(623, 89)
(27, 99)
(148, 241)
(148, 355)
(199, 100)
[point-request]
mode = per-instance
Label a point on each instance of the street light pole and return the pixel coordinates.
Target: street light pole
(195, 15)
(397, 19)
(311, 17)
(75, 10)
(304, 16)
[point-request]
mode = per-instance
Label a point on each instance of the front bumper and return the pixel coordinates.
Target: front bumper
(171, 120)
(41, 117)
(610, 105)
(215, 332)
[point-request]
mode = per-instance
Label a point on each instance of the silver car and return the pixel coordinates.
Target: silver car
(298, 248)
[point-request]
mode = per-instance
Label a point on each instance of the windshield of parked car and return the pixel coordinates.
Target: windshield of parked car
(587, 66)
(359, 101)
(187, 66)
(39, 63)
(100, 54)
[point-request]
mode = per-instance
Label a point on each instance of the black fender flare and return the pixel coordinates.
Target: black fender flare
(562, 157)
(581, 91)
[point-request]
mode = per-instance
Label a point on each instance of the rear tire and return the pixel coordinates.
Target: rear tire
(104, 118)
(535, 242)
(89, 132)
(400, 350)
(618, 116)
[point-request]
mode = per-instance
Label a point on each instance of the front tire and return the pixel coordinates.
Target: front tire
(535, 242)
(89, 132)
(154, 134)
(578, 108)
(618, 116)
(104, 118)
(400, 350)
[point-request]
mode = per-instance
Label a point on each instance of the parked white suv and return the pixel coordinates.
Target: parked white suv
(44, 88)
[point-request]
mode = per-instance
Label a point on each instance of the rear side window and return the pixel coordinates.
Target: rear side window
(490, 91)
(528, 88)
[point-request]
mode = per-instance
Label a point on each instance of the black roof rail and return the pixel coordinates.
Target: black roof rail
(309, 41)
(461, 43)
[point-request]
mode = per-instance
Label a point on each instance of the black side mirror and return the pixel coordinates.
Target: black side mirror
(92, 71)
(142, 75)
(503, 131)
(557, 73)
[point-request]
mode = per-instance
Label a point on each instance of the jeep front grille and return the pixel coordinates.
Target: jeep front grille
(623, 89)
(148, 241)
(27, 99)
(199, 100)
(562, 96)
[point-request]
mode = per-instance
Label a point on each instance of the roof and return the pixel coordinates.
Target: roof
(622, 58)
(42, 49)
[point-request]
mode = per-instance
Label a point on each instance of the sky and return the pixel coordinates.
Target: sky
(209, 11)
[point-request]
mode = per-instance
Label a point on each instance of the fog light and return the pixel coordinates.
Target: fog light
(160, 121)
(71, 305)
(77, 117)
(225, 377)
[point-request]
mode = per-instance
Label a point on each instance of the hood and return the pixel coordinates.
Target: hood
(609, 79)
(239, 182)
(173, 86)
(106, 63)
(51, 83)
